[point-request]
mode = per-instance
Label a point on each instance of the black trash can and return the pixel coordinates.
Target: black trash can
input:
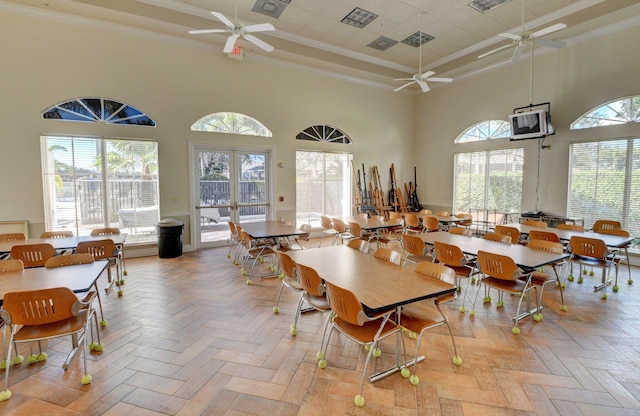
(169, 238)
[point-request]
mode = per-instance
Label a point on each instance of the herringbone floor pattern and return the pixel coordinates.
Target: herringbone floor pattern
(190, 337)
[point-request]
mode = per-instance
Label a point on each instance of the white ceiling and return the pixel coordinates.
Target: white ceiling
(310, 35)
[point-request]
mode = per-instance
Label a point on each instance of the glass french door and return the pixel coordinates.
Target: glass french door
(231, 185)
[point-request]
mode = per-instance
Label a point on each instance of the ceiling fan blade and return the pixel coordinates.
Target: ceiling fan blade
(440, 79)
(404, 86)
(424, 75)
(547, 30)
(196, 32)
(231, 42)
(516, 53)
(550, 43)
(404, 79)
(510, 36)
(424, 86)
(262, 27)
(223, 19)
(491, 52)
(258, 42)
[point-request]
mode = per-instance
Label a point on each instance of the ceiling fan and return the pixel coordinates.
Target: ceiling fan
(421, 78)
(238, 31)
(524, 39)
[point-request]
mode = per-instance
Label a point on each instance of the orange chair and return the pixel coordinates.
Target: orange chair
(535, 223)
(619, 258)
(460, 231)
(501, 273)
(287, 275)
(463, 267)
(327, 229)
(412, 224)
(111, 231)
(468, 220)
(255, 251)
(56, 234)
(9, 265)
(33, 255)
(430, 224)
(501, 238)
(367, 330)
(359, 244)
(606, 225)
(593, 252)
(342, 232)
(313, 294)
(233, 240)
(104, 250)
(510, 231)
(540, 277)
(12, 236)
(419, 317)
(543, 235)
(386, 254)
(415, 249)
(571, 227)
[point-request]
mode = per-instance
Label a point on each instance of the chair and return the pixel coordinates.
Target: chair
(501, 238)
(313, 294)
(443, 214)
(425, 212)
(33, 255)
(606, 225)
(104, 250)
(510, 231)
(303, 237)
(9, 265)
(359, 244)
(71, 260)
(593, 252)
(419, 317)
(535, 223)
(543, 235)
(415, 250)
(254, 250)
(412, 224)
(38, 315)
(12, 237)
(540, 277)
(501, 273)
(111, 231)
(351, 320)
(619, 258)
(430, 224)
(233, 240)
(342, 232)
(460, 231)
(327, 229)
(56, 234)
(571, 227)
(356, 231)
(287, 276)
(386, 254)
(464, 267)
(468, 220)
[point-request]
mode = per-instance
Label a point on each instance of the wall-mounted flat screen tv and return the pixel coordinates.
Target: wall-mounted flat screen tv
(529, 125)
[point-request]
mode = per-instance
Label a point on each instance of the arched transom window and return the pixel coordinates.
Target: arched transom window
(620, 111)
(485, 130)
(323, 134)
(98, 110)
(232, 123)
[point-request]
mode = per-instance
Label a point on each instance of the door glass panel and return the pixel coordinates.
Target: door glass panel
(215, 195)
(252, 198)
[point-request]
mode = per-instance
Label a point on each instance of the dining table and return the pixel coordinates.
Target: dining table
(64, 243)
(378, 284)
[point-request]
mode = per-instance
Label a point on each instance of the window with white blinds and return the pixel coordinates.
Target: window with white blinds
(93, 183)
(604, 182)
(490, 180)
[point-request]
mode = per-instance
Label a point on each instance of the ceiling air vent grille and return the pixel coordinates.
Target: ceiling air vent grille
(484, 6)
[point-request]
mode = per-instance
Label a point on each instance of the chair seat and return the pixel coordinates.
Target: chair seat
(292, 283)
(540, 278)
(417, 316)
(365, 333)
(56, 329)
(318, 302)
(511, 286)
(590, 261)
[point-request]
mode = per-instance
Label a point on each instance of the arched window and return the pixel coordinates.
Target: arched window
(485, 130)
(620, 111)
(232, 123)
(323, 134)
(98, 110)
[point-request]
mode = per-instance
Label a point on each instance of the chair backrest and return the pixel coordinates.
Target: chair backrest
(572, 227)
(389, 255)
(38, 307)
(606, 224)
(33, 255)
(105, 231)
(588, 247)
(232, 229)
(443, 213)
(287, 265)
(395, 215)
(614, 231)
(11, 265)
(535, 223)
(56, 234)
(430, 223)
(355, 229)
(377, 218)
(12, 237)
(424, 212)
(449, 254)
(412, 244)
(307, 231)
(468, 219)
(460, 231)
(437, 271)
(543, 235)
(69, 260)
(359, 244)
(411, 220)
(362, 215)
(498, 266)
(510, 231)
(326, 222)
(501, 238)
(99, 249)
(545, 245)
(339, 225)
(346, 305)
(310, 281)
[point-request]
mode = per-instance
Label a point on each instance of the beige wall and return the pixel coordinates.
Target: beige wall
(574, 79)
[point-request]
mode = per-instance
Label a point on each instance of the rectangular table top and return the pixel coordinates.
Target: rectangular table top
(378, 284)
(66, 243)
(525, 257)
(373, 224)
(79, 278)
(270, 229)
(565, 235)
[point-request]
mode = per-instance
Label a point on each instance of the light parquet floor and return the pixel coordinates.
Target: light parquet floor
(190, 337)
